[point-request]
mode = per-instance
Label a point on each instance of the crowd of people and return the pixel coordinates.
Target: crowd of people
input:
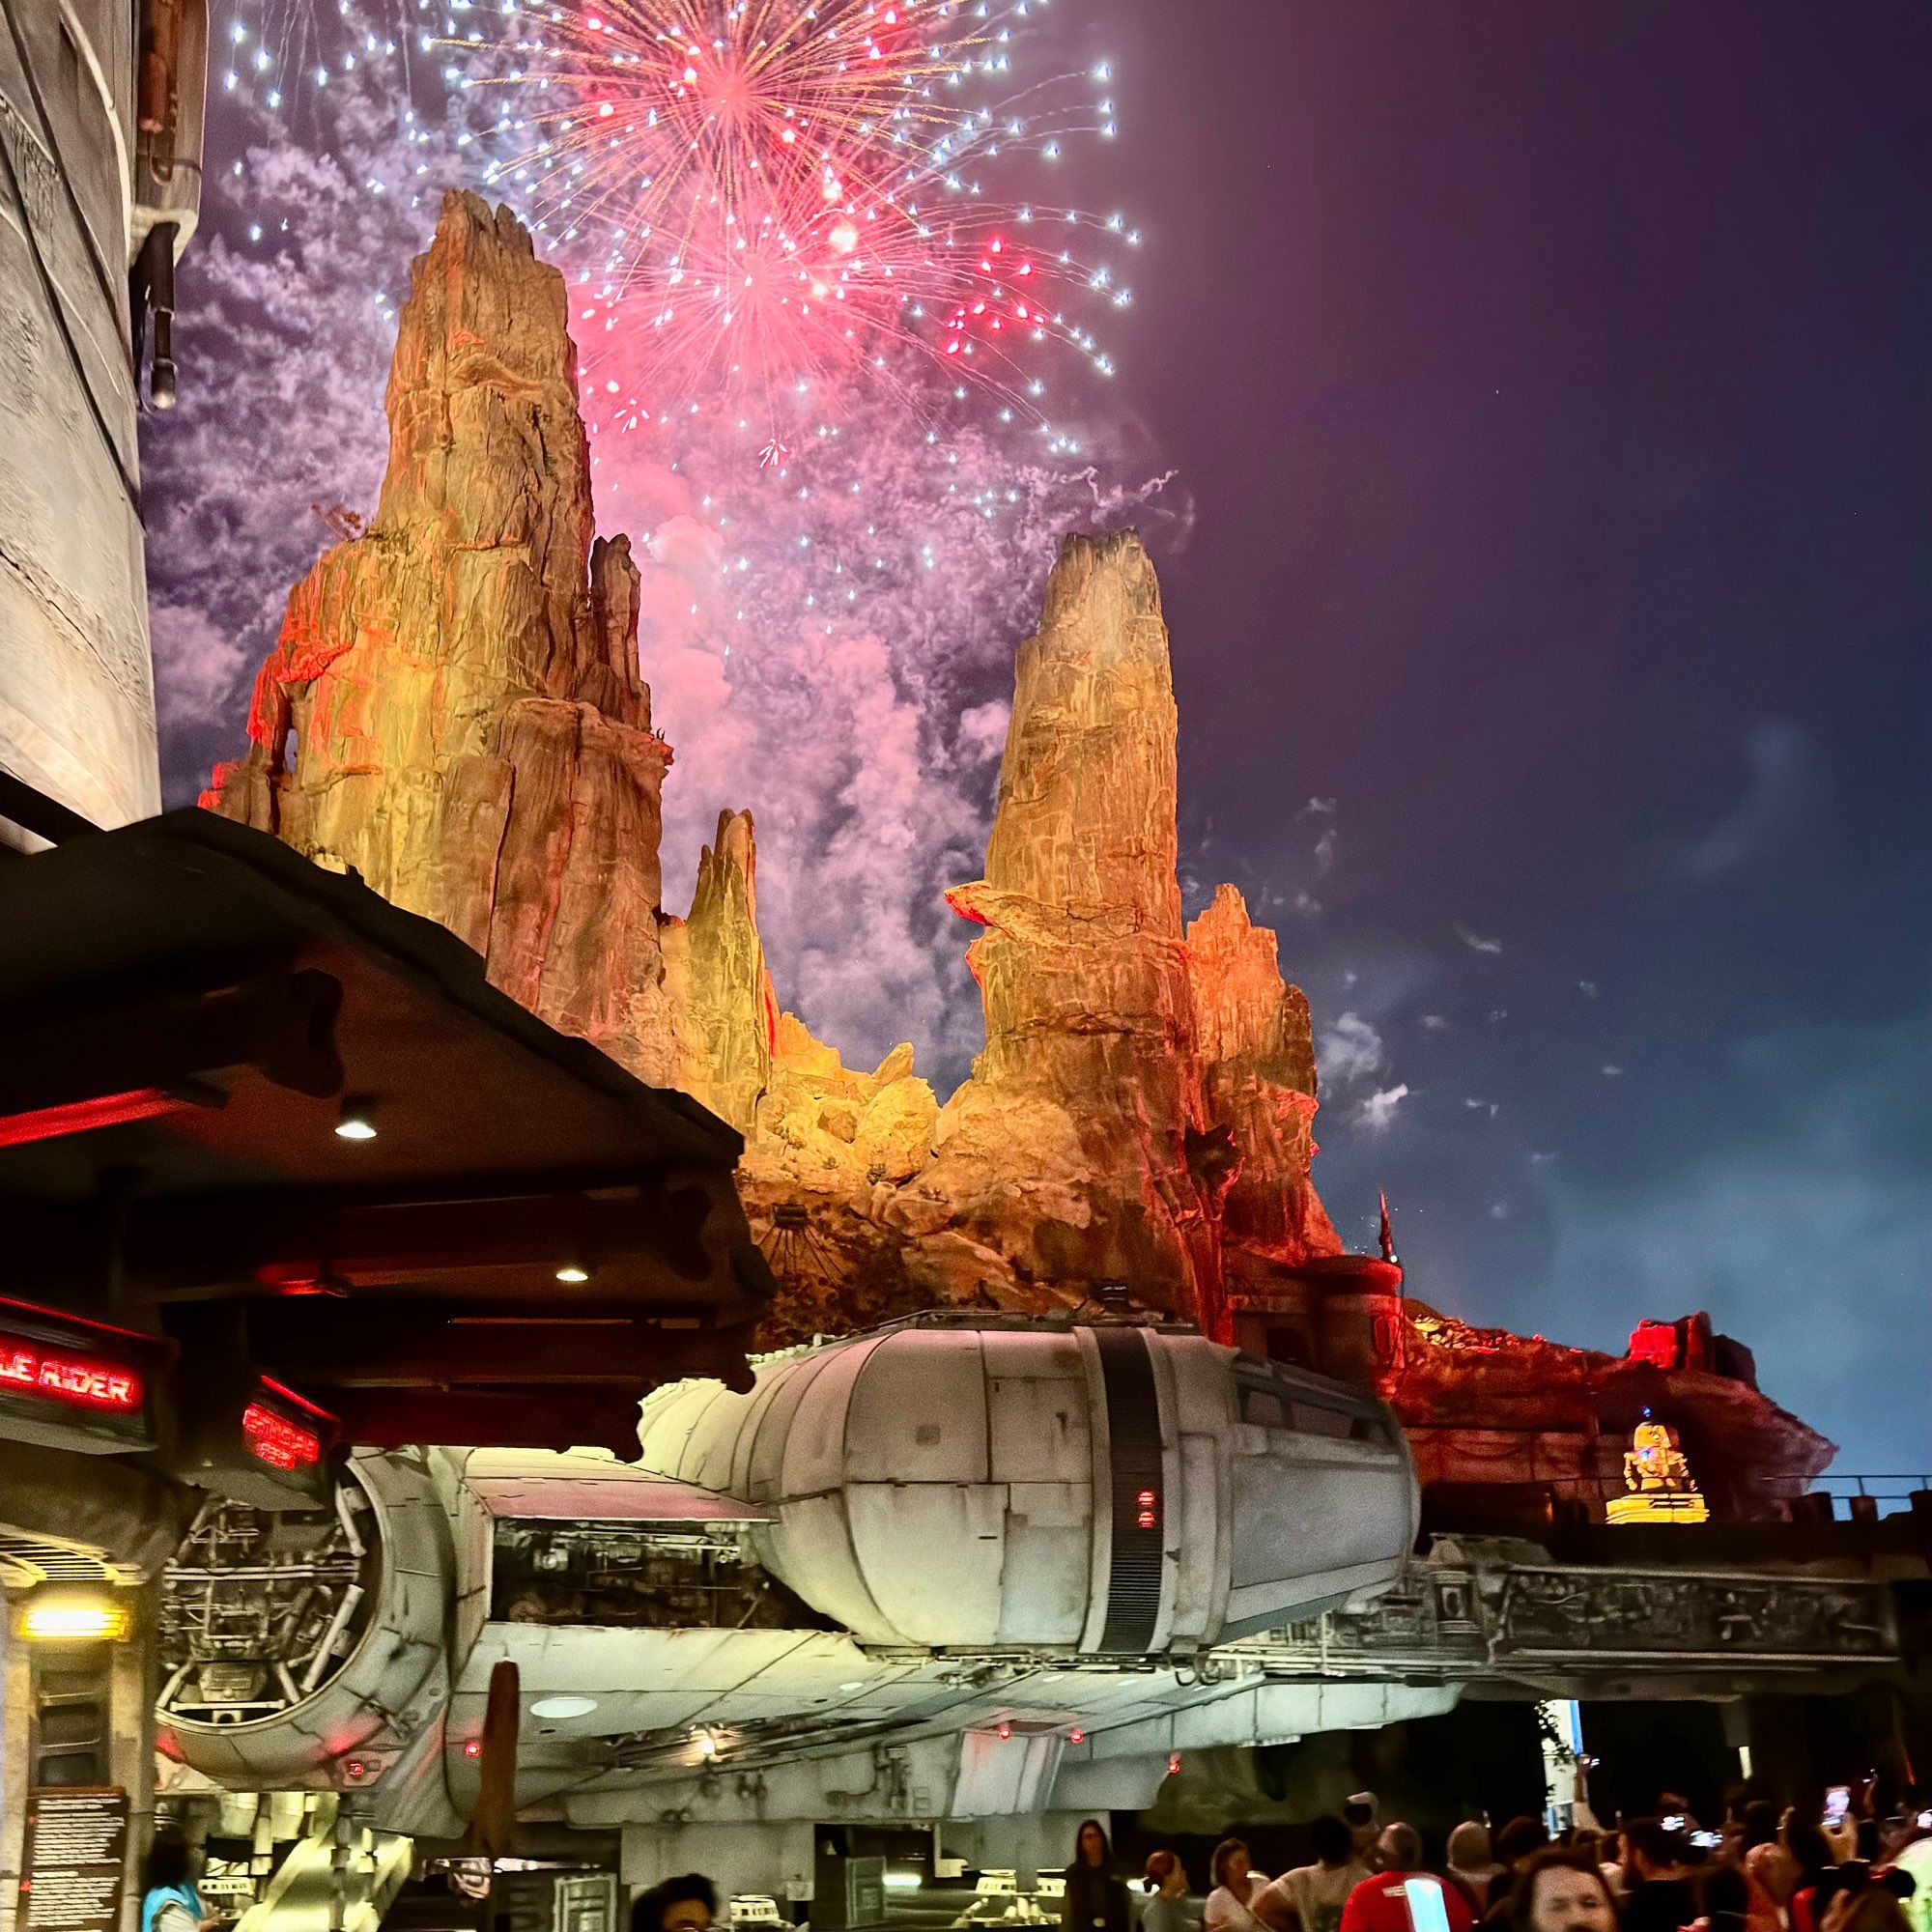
(1765, 1869)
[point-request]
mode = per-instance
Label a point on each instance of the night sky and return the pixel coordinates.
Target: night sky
(1546, 391)
(1551, 381)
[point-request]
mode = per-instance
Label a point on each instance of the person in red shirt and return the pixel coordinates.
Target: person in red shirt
(1403, 1898)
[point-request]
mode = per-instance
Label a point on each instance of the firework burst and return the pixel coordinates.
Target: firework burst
(769, 195)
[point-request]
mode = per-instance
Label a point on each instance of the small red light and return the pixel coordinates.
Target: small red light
(1076, 1737)
(355, 1767)
(1006, 1731)
(1172, 1763)
(1148, 1509)
(473, 1748)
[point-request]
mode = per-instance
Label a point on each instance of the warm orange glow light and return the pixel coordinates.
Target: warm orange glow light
(74, 1616)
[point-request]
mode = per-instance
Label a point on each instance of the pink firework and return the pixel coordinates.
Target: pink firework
(763, 194)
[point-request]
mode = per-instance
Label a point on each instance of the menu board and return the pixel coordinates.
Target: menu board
(73, 1860)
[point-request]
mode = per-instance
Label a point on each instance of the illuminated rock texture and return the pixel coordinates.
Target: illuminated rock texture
(1257, 1055)
(455, 709)
(1487, 1410)
(720, 995)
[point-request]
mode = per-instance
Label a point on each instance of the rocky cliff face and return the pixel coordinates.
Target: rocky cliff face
(453, 708)
(1257, 1055)
(719, 993)
(1081, 965)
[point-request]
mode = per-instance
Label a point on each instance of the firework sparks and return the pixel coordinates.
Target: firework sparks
(768, 194)
(833, 580)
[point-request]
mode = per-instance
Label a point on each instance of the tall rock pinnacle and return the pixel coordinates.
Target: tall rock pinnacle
(1082, 967)
(453, 708)
(720, 993)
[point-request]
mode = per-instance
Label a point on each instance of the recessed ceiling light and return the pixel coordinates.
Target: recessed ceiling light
(357, 1123)
(573, 1272)
(563, 1706)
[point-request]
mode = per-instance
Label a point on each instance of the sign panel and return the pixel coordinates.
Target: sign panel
(865, 1893)
(586, 1902)
(73, 1860)
(76, 1384)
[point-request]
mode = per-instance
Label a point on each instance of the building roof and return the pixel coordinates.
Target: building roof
(187, 1010)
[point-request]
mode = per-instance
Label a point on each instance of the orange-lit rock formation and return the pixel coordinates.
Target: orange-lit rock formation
(455, 709)
(1257, 1054)
(1082, 971)
(719, 993)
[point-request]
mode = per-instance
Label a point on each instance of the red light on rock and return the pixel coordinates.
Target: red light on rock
(473, 1748)
(1006, 1731)
(1076, 1737)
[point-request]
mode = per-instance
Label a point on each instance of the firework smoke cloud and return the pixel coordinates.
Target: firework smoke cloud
(839, 555)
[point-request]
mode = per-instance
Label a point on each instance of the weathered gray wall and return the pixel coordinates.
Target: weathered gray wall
(77, 687)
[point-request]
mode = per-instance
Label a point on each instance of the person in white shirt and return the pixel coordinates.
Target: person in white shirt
(1167, 1907)
(1238, 1886)
(1310, 1898)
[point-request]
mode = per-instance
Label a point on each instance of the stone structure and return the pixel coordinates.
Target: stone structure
(455, 709)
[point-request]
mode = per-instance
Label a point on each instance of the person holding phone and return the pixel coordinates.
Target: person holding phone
(1839, 1826)
(1657, 1868)
(1811, 1853)
(1770, 1872)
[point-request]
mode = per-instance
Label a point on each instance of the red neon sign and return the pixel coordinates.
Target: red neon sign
(278, 1442)
(82, 1381)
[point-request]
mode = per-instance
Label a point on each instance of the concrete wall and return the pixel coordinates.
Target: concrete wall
(77, 687)
(15, 1706)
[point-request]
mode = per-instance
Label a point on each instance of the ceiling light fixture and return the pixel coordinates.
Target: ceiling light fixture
(357, 1123)
(74, 1616)
(565, 1705)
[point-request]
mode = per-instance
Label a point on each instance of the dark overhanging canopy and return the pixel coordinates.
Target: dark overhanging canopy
(529, 1241)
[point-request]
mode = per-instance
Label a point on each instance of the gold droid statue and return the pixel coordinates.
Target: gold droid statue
(1658, 1478)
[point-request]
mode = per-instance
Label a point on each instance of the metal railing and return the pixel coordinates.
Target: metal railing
(1891, 1490)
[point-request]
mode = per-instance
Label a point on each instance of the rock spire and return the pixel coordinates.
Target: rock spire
(453, 707)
